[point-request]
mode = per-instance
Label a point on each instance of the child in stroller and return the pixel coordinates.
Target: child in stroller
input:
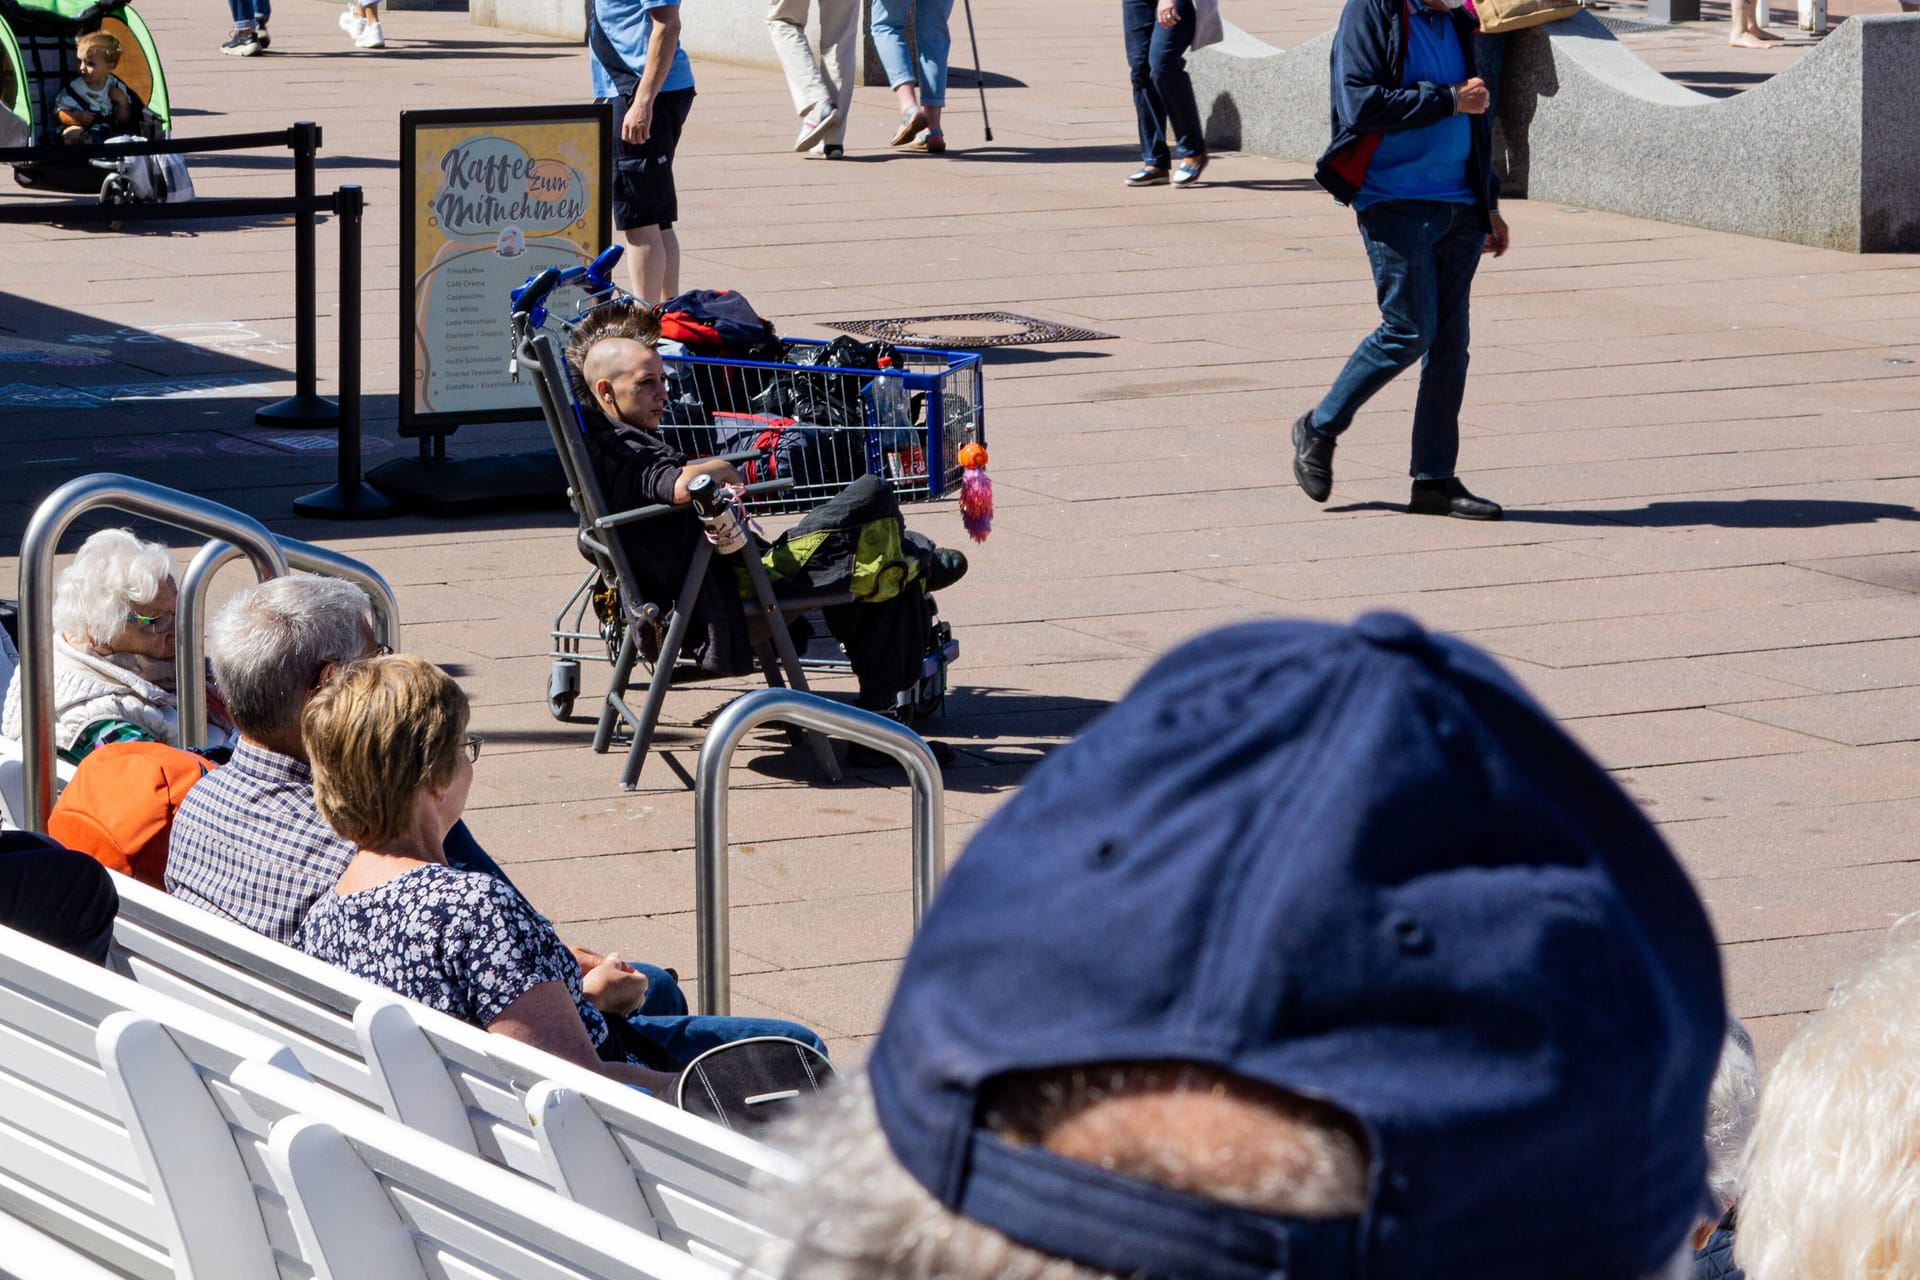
(96, 104)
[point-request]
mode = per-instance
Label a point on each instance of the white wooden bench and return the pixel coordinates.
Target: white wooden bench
(72, 1167)
(372, 1198)
(26, 1254)
(632, 1157)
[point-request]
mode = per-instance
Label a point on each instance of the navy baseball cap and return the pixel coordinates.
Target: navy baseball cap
(1360, 864)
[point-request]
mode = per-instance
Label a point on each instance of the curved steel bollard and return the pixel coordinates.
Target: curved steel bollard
(61, 508)
(808, 711)
(191, 626)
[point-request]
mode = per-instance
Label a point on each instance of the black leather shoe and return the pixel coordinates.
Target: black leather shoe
(948, 567)
(1450, 498)
(1312, 459)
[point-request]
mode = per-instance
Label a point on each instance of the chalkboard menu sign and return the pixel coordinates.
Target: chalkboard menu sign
(487, 198)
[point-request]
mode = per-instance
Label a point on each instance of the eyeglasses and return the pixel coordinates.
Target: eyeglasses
(472, 747)
(150, 623)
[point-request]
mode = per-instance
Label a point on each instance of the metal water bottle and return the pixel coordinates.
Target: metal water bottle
(715, 512)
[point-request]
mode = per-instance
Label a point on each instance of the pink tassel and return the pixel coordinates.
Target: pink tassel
(976, 503)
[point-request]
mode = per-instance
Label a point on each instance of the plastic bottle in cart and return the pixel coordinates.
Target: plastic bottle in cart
(900, 444)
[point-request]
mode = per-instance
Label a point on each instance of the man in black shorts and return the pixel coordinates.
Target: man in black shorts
(639, 66)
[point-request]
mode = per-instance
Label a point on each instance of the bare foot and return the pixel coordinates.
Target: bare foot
(1765, 34)
(1746, 40)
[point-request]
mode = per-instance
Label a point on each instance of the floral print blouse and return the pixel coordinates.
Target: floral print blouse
(460, 941)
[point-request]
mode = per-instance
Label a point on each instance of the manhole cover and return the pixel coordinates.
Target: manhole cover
(972, 329)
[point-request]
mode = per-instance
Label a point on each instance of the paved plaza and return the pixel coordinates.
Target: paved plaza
(1709, 450)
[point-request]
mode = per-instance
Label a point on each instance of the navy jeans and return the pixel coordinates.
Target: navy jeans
(663, 1021)
(249, 15)
(1162, 91)
(1424, 254)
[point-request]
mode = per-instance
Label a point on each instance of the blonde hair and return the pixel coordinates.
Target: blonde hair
(104, 44)
(1833, 1180)
(112, 572)
(379, 733)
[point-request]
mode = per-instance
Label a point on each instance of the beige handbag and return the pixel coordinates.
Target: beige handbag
(1498, 17)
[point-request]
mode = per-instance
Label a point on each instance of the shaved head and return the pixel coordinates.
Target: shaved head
(611, 356)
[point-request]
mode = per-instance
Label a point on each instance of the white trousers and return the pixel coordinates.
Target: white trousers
(829, 77)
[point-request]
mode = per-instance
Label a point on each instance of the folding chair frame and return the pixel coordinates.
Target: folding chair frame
(599, 541)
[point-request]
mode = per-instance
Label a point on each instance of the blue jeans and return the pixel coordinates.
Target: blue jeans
(663, 1021)
(929, 34)
(250, 15)
(1424, 254)
(1162, 90)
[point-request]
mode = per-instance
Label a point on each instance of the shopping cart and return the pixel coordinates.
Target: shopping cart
(826, 426)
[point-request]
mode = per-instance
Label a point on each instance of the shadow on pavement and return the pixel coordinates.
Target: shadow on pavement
(1036, 355)
(1103, 153)
(1735, 513)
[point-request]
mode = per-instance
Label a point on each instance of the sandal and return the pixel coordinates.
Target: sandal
(933, 140)
(911, 123)
(1187, 171)
(1147, 175)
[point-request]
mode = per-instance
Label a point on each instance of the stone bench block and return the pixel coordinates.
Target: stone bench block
(1824, 153)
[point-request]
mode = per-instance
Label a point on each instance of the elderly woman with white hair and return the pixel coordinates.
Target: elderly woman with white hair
(1833, 1177)
(113, 649)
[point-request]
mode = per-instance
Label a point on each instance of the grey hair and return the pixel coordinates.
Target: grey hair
(1732, 1106)
(270, 642)
(857, 1214)
(112, 571)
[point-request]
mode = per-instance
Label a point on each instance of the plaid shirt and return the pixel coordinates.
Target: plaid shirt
(248, 843)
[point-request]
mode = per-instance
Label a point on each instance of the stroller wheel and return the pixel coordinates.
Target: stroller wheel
(563, 686)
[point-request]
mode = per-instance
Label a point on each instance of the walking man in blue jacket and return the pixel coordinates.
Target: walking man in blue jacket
(1411, 154)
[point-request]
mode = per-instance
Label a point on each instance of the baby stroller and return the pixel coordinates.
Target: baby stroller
(37, 59)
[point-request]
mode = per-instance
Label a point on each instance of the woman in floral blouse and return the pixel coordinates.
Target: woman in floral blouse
(392, 761)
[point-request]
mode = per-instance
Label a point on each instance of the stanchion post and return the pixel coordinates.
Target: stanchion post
(350, 497)
(305, 404)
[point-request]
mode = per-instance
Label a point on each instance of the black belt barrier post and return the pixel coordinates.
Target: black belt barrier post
(350, 498)
(305, 404)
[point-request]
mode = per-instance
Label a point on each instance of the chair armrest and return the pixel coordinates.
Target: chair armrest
(619, 518)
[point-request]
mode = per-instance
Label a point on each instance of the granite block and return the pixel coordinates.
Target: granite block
(1819, 154)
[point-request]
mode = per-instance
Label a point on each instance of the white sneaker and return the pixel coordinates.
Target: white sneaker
(370, 37)
(816, 125)
(352, 23)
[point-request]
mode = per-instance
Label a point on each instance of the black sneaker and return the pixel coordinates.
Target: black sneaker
(242, 44)
(1450, 498)
(261, 37)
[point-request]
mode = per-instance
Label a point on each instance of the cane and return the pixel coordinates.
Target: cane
(979, 82)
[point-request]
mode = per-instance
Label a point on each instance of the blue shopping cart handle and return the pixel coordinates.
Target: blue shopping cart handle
(527, 298)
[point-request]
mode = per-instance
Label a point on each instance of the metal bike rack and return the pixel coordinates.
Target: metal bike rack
(191, 612)
(55, 515)
(808, 711)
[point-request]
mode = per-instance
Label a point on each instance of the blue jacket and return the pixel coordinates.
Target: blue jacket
(1369, 56)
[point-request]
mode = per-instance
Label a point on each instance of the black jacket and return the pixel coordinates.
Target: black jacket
(1369, 57)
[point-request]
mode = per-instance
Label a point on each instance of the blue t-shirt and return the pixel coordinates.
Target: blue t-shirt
(1428, 163)
(629, 28)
